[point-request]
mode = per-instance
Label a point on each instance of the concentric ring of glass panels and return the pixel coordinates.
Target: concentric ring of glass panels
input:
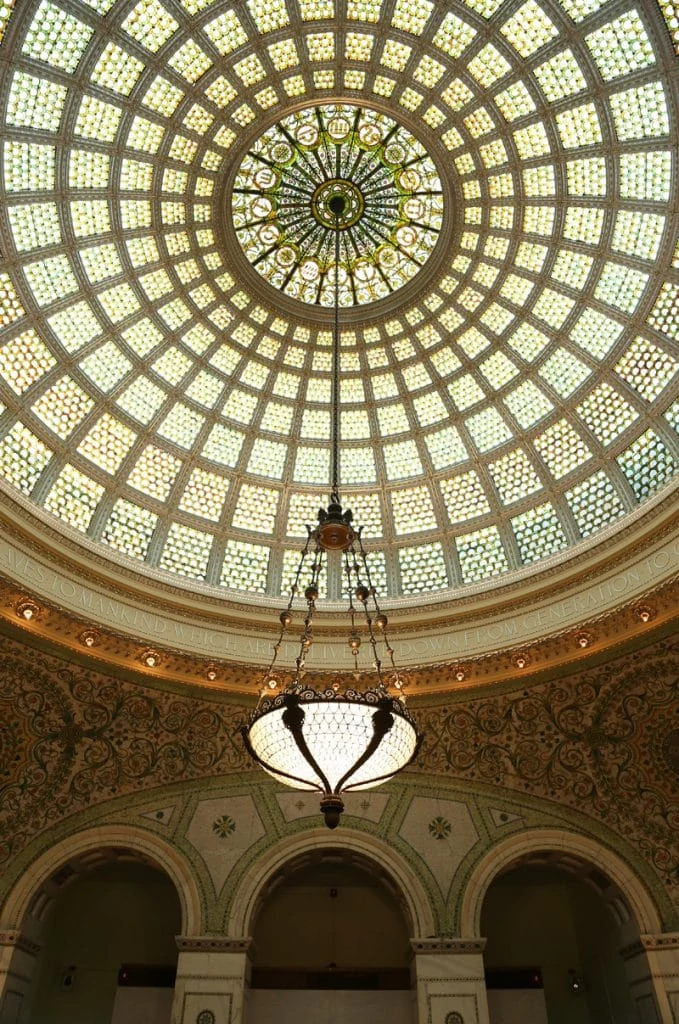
(522, 401)
(392, 198)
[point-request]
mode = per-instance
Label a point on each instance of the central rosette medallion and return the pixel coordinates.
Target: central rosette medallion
(390, 218)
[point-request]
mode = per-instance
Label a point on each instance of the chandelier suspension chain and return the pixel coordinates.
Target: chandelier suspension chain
(333, 740)
(311, 593)
(336, 366)
(286, 615)
(380, 619)
(354, 638)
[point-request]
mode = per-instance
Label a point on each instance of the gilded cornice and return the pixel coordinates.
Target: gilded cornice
(607, 599)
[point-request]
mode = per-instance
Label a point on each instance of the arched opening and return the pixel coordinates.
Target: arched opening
(279, 858)
(331, 941)
(106, 921)
(554, 925)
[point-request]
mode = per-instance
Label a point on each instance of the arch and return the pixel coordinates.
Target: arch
(145, 843)
(416, 903)
(571, 844)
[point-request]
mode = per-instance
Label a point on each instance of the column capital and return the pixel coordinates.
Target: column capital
(650, 944)
(448, 945)
(11, 937)
(212, 944)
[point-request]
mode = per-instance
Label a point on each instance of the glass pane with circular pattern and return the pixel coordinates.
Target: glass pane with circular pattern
(390, 196)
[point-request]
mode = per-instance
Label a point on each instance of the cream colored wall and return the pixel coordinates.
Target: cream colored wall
(124, 913)
(272, 1007)
(517, 1006)
(142, 1005)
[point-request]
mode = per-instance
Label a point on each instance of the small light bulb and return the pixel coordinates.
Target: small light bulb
(27, 609)
(645, 613)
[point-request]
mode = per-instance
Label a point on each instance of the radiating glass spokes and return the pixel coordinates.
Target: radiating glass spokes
(393, 204)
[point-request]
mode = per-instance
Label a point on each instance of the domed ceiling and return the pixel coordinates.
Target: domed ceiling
(508, 277)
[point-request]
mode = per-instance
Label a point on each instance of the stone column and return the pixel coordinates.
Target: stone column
(212, 975)
(450, 981)
(17, 965)
(652, 968)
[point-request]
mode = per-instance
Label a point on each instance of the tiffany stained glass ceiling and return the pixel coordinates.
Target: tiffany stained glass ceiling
(168, 400)
(392, 205)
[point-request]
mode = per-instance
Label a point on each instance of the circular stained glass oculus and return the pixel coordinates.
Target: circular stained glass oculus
(525, 402)
(389, 219)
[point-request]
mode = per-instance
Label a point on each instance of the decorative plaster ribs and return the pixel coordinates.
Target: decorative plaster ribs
(12, 938)
(650, 943)
(211, 944)
(445, 945)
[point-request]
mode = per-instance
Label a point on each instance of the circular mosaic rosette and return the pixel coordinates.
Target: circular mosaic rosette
(388, 183)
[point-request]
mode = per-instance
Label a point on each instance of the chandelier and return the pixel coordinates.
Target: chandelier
(334, 741)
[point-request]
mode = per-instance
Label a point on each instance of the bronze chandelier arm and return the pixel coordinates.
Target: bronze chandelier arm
(383, 720)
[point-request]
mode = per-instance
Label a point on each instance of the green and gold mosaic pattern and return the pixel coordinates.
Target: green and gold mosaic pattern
(522, 400)
(386, 180)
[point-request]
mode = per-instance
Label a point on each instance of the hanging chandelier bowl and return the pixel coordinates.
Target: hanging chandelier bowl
(332, 742)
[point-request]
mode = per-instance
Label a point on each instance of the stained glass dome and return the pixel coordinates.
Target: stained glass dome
(165, 380)
(392, 205)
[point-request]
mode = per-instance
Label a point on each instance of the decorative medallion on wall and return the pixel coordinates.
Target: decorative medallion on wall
(439, 827)
(427, 822)
(208, 1017)
(501, 817)
(222, 829)
(160, 815)
(454, 1018)
(224, 826)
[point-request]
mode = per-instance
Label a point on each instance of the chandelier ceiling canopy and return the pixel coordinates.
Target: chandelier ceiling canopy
(510, 291)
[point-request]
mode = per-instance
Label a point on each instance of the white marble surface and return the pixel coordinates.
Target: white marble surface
(221, 853)
(441, 855)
